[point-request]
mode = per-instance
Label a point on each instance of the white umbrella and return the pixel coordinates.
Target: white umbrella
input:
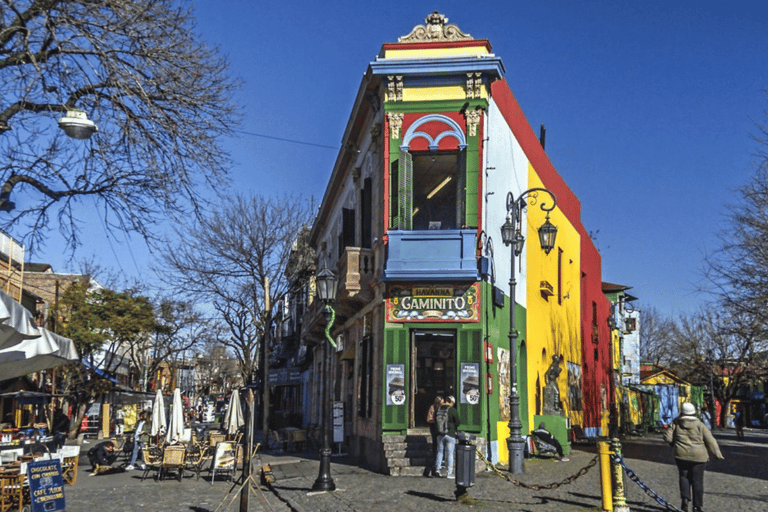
(176, 425)
(158, 416)
(234, 418)
(47, 350)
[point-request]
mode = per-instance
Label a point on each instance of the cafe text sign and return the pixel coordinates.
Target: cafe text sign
(46, 485)
(433, 303)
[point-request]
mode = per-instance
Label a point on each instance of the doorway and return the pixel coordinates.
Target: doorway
(434, 371)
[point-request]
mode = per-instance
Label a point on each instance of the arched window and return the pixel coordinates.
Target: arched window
(428, 182)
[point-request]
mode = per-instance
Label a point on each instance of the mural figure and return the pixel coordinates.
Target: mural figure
(552, 404)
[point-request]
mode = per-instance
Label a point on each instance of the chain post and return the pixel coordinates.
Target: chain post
(619, 501)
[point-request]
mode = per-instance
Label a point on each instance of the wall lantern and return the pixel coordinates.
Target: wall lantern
(326, 286)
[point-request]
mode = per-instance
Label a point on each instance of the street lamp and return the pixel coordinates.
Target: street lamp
(77, 125)
(511, 235)
(326, 292)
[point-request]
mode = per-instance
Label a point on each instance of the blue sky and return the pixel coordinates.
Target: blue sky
(649, 110)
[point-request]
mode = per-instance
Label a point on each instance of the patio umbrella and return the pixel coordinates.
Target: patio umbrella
(234, 418)
(16, 322)
(157, 426)
(47, 350)
(176, 425)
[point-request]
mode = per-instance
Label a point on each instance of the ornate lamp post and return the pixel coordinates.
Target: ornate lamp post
(511, 234)
(326, 292)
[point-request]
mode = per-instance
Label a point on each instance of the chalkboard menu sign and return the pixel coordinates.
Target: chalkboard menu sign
(46, 486)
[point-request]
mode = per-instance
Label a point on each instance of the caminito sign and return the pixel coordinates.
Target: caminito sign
(433, 303)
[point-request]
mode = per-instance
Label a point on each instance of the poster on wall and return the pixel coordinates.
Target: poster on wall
(395, 384)
(502, 354)
(470, 383)
(574, 387)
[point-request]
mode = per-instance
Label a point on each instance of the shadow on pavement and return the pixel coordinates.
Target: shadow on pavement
(429, 496)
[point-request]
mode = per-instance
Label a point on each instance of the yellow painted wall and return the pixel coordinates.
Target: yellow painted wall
(553, 329)
(456, 92)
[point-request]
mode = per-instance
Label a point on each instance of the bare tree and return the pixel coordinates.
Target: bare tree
(161, 99)
(656, 337)
(234, 259)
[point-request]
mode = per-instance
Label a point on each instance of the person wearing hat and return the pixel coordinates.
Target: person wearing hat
(693, 444)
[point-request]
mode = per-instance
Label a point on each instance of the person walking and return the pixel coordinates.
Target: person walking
(140, 438)
(738, 421)
(432, 470)
(693, 444)
(446, 424)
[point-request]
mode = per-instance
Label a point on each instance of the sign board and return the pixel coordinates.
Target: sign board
(46, 485)
(224, 458)
(338, 422)
(433, 303)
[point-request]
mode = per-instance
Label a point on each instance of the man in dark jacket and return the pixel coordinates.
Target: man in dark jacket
(103, 454)
(447, 422)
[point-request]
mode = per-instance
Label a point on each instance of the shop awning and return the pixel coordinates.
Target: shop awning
(25, 347)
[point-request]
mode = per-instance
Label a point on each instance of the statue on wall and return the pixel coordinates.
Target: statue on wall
(552, 404)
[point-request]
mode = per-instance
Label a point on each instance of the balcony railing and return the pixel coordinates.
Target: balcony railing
(446, 255)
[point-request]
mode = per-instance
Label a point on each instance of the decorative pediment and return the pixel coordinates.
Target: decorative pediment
(436, 29)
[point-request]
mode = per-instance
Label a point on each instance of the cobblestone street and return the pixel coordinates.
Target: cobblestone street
(739, 483)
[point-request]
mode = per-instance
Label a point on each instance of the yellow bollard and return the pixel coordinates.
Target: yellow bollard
(605, 475)
(619, 501)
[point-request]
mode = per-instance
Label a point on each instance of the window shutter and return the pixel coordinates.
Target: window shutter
(470, 351)
(405, 186)
(396, 348)
(461, 189)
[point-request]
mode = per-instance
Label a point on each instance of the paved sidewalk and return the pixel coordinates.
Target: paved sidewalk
(740, 483)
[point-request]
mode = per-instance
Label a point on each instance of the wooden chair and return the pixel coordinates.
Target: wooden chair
(198, 457)
(69, 469)
(11, 490)
(216, 438)
(152, 459)
(173, 460)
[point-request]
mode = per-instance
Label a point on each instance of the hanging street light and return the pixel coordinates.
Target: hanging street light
(511, 235)
(77, 125)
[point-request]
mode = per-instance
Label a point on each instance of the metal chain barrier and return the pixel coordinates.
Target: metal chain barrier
(536, 487)
(650, 492)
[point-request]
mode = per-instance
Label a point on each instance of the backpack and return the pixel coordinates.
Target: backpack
(441, 421)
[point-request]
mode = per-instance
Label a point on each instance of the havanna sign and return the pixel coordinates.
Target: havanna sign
(433, 303)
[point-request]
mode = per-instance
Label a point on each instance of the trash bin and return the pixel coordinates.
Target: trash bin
(465, 460)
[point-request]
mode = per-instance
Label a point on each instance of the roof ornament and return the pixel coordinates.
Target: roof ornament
(434, 30)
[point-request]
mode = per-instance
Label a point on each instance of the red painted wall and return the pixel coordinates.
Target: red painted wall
(595, 371)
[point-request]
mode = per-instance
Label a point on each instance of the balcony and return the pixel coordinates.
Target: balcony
(432, 255)
(355, 271)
